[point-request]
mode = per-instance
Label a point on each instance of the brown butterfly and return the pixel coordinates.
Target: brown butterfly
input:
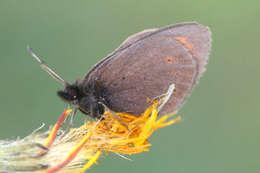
(142, 68)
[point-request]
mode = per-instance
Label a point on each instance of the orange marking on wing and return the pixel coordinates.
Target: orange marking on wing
(185, 43)
(176, 74)
(169, 59)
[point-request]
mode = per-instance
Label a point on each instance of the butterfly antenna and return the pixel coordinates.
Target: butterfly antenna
(46, 68)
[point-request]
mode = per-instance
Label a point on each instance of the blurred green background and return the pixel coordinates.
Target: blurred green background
(220, 130)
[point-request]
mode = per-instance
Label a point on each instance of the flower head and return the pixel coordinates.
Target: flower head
(81, 147)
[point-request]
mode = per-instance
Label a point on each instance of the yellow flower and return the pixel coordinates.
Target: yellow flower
(110, 135)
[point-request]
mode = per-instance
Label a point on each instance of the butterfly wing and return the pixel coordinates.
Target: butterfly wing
(144, 66)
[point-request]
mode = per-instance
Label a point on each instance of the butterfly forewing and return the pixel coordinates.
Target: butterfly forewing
(144, 66)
